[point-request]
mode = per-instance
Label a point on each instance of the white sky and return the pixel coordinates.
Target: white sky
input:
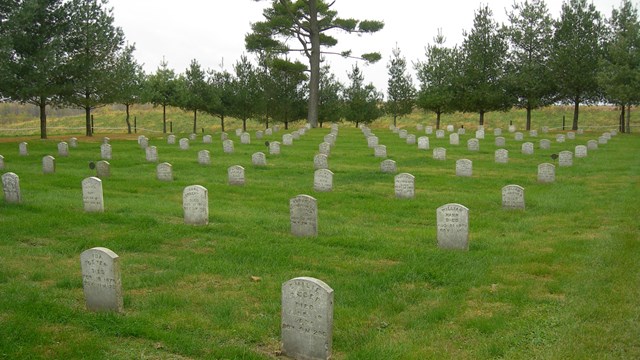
(212, 31)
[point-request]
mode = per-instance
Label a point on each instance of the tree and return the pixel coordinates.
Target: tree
(308, 21)
(287, 94)
(401, 93)
(162, 90)
(329, 100)
(530, 35)
(31, 39)
(361, 101)
(576, 54)
(619, 74)
(438, 76)
(247, 94)
(194, 93)
(129, 79)
(221, 83)
(484, 52)
(93, 45)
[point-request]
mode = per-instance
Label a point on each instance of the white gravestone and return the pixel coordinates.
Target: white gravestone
(320, 161)
(580, 131)
(11, 188)
(105, 140)
(184, 144)
(428, 130)
(227, 146)
(405, 186)
(454, 139)
(103, 169)
(565, 158)
(462, 131)
(513, 197)
(607, 135)
(259, 134)
(501, 156)
(245, 138)
(423, 143)
(307, 319)
(592, 145)
(73, 142)
(287, 140)
(450, 128)
(453, 226)
(63, 149)
(296, 135)
(560, 138)
(473, 145)
(239, 132)
(144, 142)
(479, 134)
(195, 203)
(571, 135)
(602, 140)
(274, 148)
(235, 174)
(48, 164)
(512, 128)
(268, 132)
(464, 168)
(330, 138)
(164, 172)
(372, 141)
(581, 151)
(105, 151)
(388, 166)
(419, 127)
(518, 136)
(224, 136)
(439, 134)
(497, 132)
(500, 141)
(403, 134)
(411, 139)
(546, 173)
(101, 282)
(303, 211)
(1, 162)
(171, 139)
(204, 157)
(440, 153)
(192, 137)
(259, 159)
(545, 144)
(207, 139)
(151, 153)
(324, 148)
(533, 133)
(527, 148)
(380, 151)
(92, 197)
(323, 180)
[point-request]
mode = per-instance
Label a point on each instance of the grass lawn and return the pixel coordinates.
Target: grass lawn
(559, 280)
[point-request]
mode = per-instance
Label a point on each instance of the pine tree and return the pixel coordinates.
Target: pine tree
(401, 94)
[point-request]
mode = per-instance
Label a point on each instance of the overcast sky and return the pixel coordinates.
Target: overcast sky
(212, 31)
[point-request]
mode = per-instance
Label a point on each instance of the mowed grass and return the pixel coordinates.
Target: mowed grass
(560, 280)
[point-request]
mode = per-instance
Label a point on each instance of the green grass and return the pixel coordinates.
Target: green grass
(560, 280)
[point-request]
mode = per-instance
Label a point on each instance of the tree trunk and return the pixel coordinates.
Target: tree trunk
(629, 119)
(43, 118)
(195, 121)
(127, 119)
(222, 123)
(528, 127)
(622, 118)
(314, 65)
(87, 114)
(394, 120)
(481, 122)
(286, 125)
(576, 111)
(438, 119)
(164, 119)
(244, 125)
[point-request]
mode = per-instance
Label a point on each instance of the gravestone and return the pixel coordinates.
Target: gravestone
(473, 145)
(105, 151)
(479, 134)
(380, 151)
(440, 153)
(22, 149)
(184, 144)
(171, 139)
(144, 142)
(560, 138)
(63, 149)
(411, 139)
(105, 140)
(571, 135)
(259, 134)
(428, 130)
(607, 135)
(527, 148)
(513, 197)
(320, 161)
(11, 188)
(235, 174)
(323, 180)
(151, 153)
(464, 168)
(92, 197)
(602, 140)
(423, 143)
(449, 128)
(501, 156)
(73, 142)
(224, 136)
(195, 203)
(439, 134)
(545, 129)
(287, 140)
(453, 226)
(245, 138)
(227, 146)
(580, 131)
(103, 169)
(497, 132)
(274, 148)
(403, 134)
(388, 166)
(276, 128)
(259, 159)
(518, 136)
(324, 148)
(268, 132)
(164, 172)
(592, 145)
(533, 133)
(545, 144)
(192, 137)
(546, 173)
(419, 127)
(204, 157)
(207, 139)
(454, 139)
(405, 186)
(307, 319)
(48, 164)
(372, 141)
(1, 162)
(462, 131)
(239, 132)
(303, 210)
(296, 135)
(101, 282)
(581, 151)
(512, 128)
(565, 158)
(330, 138)
(500, 141)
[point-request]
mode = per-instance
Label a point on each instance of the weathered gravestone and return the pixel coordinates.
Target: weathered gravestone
(405, 186)
(473, 145)
(533, 133)
(227, 146)
(303, 211)
(151, 153)
(207, 139)
(450, 128)
(204, 157)
(235, 174)
(500, 141)
(607, 135)
(105, 151)
(592, 145)
(307, 319)
(323, 180)
(501, 156)
(92, 197)
(380, 151)
(403, 134)
(73, 142)
(545, 129)
(372, 141)
(464, 168)
(274, 148)
(259, 159)
(296, 135)
(245, 138)
(101, 280)
(602, 140)
(388, 166)
(164, 172)
(423, 143)
(287, 140)
(411, 139)
(580, 131)
(320, 161)
(546, 173)
(513, 197)
(171, 139)
(144, 142)
(527, 148)
(259, 134)
(105, 140)
(324, 148)
(571, 135)
(224, 136)
(560, 138)
(428, 130)
(184, 144)
(48, 164)
(439, 134)
(330, 138)
(545, 144)
(11, 188)
(453, 226)
(518, 136)
(419, 127)
(239, 132)
(512, 128)
(454, 139)
(103, 169)
(440, 153)
(565, 158)
(497, 132)
(63, 149)
(268, 132)
(479, 134)
(462, 131)
(581, 151)
(193, 137)
(22, 149)
(1, 162)
(195, 203)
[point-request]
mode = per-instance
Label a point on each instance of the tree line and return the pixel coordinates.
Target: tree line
(68, 53)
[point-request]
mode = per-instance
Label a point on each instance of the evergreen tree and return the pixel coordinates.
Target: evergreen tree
(361, 101)
(401, 94)
(247, 93)
(129, 80)
(221, 83)
(330, 103)
(287, 92)
(194, 94)
(161, 89)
